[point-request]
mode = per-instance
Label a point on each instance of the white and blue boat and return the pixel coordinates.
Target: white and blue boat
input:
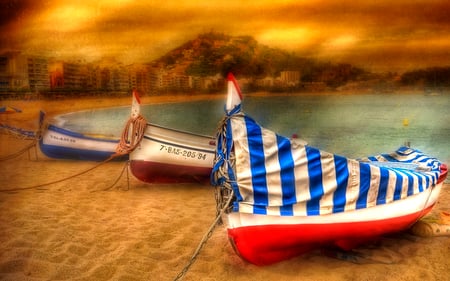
(60, 143)
(287, 197)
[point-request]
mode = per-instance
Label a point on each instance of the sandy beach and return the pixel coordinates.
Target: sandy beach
(86, 229)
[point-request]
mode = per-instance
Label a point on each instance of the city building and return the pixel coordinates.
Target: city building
(290, 78)
(14, 72)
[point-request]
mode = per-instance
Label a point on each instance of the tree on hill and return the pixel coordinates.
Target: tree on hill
(213, 53)
(432, 77)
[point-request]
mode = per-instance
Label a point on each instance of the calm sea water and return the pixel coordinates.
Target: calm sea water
(349, 125)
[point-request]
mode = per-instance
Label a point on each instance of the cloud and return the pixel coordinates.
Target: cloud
(369, 33)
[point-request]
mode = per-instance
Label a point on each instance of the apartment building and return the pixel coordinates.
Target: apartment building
(13, 72)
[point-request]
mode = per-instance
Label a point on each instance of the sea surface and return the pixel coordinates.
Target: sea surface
(349, 125)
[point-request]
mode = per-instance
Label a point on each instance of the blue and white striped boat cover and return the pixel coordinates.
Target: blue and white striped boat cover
(273, 175)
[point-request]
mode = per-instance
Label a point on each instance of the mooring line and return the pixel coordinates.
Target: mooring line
(125, 167)
(130, 138)
(205, 238)
(61, 180)
(18, 153)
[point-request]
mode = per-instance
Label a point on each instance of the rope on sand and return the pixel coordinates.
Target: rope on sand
(19, 152)
(205, 238)
(21, 134)
(130, 139)
(60, 180)
(118, 178)
(17, 132)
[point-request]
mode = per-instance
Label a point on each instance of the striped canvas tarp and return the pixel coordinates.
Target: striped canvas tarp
(271, 174)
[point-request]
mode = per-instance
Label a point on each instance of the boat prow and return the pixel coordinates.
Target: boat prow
(234, 96)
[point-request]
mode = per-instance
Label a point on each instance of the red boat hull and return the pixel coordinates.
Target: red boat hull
(154, 172)
(265, 239)
(267, 244)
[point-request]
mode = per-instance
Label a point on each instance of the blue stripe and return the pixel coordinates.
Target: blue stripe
(410, 184)
(257, 162)
(427, 180)
(287, 210)
(420, 182)
(342, 174)
(286, 170)
(389, 158)
(398, 186)
(232, 176)
(315, 181)
(64, 152)
(383, 186)
(260, 210)
(364, 185)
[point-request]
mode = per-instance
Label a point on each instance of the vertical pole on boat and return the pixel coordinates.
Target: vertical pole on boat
(135, 105)
(135, 112)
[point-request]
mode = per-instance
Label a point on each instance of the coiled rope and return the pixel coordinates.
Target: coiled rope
(130, 139)
(132, 135)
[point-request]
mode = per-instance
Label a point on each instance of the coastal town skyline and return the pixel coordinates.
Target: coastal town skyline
(381, 36)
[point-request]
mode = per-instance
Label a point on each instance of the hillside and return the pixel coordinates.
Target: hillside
(213, 53)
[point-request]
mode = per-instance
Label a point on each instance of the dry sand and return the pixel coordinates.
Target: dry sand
(75, 230)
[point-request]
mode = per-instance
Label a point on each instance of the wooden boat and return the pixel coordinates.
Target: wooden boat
(166, 155)
(288, 198)
(60, 143)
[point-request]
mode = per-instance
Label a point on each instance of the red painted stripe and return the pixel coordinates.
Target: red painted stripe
(231, 78)
(153, 172)
(444, 171)
(267, 244)
(136, 96)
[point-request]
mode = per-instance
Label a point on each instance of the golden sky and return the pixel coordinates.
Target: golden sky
(394, 35)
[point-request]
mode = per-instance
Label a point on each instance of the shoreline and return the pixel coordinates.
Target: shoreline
(30, 108)
(28, 118)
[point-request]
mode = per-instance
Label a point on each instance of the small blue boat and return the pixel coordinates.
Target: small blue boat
(60, 143)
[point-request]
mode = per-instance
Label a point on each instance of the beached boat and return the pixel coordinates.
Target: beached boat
(287, 198)
(166, 155)
(58, 142)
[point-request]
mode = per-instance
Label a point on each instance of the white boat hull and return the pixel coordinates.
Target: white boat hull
(166, 155)
(60, 143)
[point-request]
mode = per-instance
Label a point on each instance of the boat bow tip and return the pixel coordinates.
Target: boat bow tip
(234, 96)
(135, 105)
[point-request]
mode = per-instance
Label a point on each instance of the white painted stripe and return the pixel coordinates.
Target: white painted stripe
(243, 168)
(353, 187)
(273, 177)
(328, 182)
(398, 208)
